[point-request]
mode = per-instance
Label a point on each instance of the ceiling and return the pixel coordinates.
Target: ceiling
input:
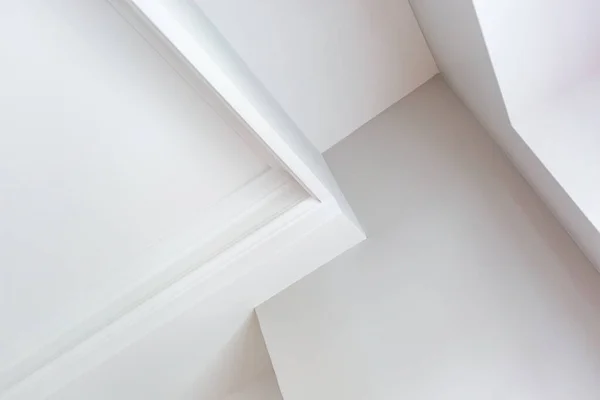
(97, 195)
(114, 169)
(116, 178)
(331, 65)
(206, 353)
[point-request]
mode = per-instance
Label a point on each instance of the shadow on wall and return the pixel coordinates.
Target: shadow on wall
(434, 171)
(240, 362)
(467, 287)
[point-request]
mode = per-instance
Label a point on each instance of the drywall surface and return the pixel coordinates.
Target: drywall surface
(205, 353)
(467, 287)
(564, 135)
(331, 65)
(111, 167)
(545, 56)
(539, 48)
(454, 35)
(263, 388)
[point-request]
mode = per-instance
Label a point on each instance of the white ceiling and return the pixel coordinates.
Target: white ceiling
(206, 353)
(112, 166)
(332, 65)
(96, 195)
(113, 169)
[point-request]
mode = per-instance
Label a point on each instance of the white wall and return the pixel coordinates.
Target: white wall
(455, 37)
(263, 388)
(209, 352)
(540, 49)
(331, 65)
(467, 287)
(545, 55)
(564, 135)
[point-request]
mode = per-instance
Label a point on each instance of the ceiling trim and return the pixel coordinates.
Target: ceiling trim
(192, 45)
(235, 217)
(284, 235)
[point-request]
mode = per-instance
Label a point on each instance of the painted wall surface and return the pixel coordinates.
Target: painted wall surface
(455, 37)
(210, 352)
(331, 65)
(263, 388)
(565, 137)
(467, 287)
(540, 49)
(545, 55)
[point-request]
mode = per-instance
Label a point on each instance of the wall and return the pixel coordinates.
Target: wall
(454, 34)
(331, 65)
(565, 137)
(544, 54)
(209, 352)
(467, 287)
(540, 49)
(263, 388)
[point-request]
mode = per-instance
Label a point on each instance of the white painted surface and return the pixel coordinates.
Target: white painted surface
(540, 49)
(454, 35)
(110, 166)
(331, 65)
(552, 93)
(206, 353)
(263, 388)
(467, 287)
(254, 264)
(565, 136)
(192, 341)
(187, 38)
